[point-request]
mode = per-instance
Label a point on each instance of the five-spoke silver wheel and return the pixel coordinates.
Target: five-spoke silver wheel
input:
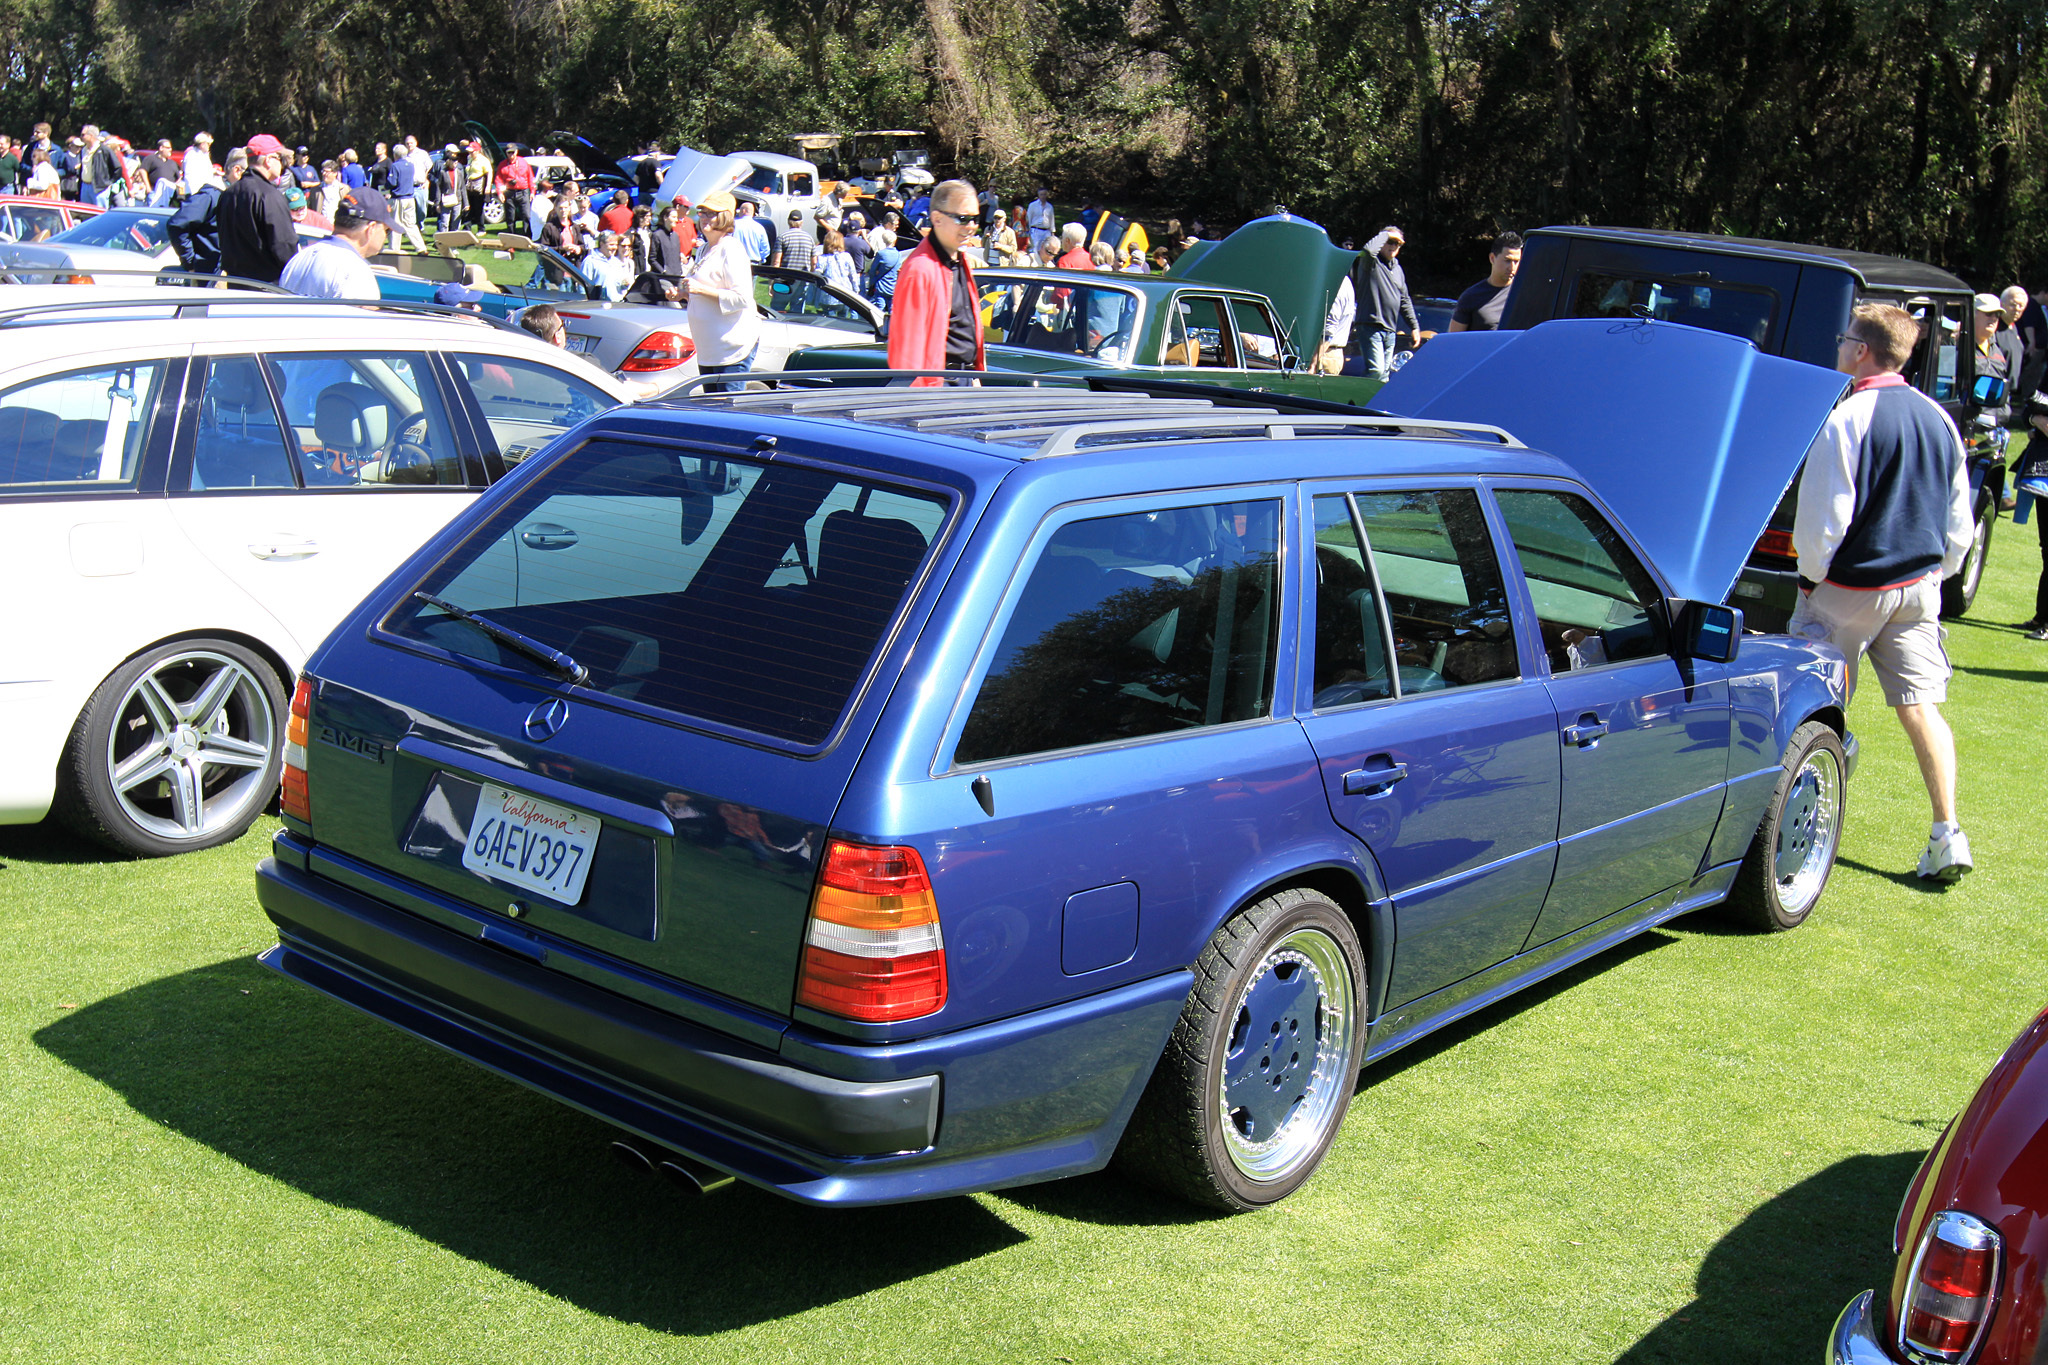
(178, 749)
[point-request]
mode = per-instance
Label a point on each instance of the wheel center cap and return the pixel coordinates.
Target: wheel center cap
(184, 742)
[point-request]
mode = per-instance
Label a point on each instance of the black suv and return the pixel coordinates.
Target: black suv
(1788, 299)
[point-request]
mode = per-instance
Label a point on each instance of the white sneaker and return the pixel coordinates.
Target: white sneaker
(1947, 858)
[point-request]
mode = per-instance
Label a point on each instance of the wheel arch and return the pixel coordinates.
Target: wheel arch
(255, 644)
(1349, 876)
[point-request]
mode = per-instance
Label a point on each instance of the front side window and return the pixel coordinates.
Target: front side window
(366, 418)
(1133, 625)
(1258, 335)
(84, 429)
(528, 403)
(1447, 617)
(749, 595)
(1593, 597)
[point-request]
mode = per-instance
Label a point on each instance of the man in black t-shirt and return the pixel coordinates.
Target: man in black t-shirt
(1479, 308)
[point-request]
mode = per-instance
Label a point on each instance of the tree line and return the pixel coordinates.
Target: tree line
(1903, 126)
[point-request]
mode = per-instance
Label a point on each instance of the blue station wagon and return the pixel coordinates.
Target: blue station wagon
(886, 793)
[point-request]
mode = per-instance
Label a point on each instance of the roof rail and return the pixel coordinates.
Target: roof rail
(210, 299)
(1059, 419)
(1066, 440)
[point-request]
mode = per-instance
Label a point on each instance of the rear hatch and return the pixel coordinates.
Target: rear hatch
(665, 812)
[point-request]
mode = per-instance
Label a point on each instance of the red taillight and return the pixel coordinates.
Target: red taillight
(294, 798)
(1949, 1294)
(1776, 542)
(873, 951)
(660, 351)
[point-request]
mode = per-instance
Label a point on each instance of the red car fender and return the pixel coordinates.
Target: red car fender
(1993, 1163)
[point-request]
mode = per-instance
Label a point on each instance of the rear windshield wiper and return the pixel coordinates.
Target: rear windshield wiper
(553, 660)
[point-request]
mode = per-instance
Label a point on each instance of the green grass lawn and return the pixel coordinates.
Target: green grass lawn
(1689, 1150)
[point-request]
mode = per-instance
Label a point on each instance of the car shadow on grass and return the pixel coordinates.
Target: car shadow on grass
(359, 1115)
(1771, 1289)
(50, 844)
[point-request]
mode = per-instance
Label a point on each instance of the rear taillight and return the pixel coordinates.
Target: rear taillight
(294, 798)
(1950, 1292)
(873, 952)
(74, 279)
(660, 351)
(1776, 542)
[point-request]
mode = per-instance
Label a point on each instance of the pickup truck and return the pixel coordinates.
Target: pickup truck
(1787, 299)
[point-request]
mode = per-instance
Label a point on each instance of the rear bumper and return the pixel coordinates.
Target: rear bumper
(1032, 1098)
(1854, 1340)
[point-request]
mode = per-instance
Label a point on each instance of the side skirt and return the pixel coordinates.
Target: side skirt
(1420, 1018)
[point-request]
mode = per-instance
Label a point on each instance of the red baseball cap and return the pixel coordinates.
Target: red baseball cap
(263, 144)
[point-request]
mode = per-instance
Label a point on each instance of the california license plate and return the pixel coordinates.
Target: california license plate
(532, 844)
(582, 345)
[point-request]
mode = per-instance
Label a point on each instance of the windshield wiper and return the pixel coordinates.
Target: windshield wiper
(554, 660)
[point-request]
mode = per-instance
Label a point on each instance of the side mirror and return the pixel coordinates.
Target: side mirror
(1708, 630)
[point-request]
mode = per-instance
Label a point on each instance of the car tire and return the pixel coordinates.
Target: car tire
(1793, 854)
(1256, 1078)
(1960, 590)
(179, 749)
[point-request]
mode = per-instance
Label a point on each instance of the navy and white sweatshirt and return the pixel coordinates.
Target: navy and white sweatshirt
(1885, 499)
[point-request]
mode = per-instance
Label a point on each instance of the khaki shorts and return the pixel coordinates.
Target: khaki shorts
(1900, 628)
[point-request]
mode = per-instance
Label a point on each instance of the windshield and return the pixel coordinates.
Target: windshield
(1088, 319)
(139, 232)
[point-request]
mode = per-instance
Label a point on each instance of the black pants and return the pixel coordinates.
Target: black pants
(2041, 588)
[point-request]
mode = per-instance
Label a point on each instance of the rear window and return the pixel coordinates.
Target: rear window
(736, 592)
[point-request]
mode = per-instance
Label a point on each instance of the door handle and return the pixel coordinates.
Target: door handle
(1586, 734)
(284, 549)
(1373, 781)
(545, 535)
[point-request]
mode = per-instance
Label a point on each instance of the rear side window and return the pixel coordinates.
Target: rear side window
(87, 428)
(1446, 610)
(1135, 625)
(749, 595)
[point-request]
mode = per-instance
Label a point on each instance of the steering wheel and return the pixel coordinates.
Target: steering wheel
(408, 450)
(1113, 340)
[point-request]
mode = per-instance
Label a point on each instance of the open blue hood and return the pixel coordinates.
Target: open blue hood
(1690, 436)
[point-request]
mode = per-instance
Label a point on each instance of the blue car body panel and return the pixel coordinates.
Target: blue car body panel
(1693, 468)
(1076, 886)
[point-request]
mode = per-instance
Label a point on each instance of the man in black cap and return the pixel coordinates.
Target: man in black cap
(338, 267)
(257, 238)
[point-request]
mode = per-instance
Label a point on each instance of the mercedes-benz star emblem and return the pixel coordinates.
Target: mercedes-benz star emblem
(546, 719)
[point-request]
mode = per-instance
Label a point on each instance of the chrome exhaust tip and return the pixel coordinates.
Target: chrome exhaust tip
(632, 1158)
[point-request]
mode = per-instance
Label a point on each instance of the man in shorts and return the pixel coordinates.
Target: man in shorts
(1884, 516)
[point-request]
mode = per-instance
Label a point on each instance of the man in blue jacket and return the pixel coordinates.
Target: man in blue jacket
(1884, 516)
(194, 230)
